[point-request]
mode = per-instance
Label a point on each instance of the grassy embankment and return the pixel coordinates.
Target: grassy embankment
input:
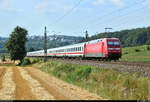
(136, 54)
(107, 83)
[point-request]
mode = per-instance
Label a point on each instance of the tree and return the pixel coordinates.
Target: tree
(16, 44)
(3, 58)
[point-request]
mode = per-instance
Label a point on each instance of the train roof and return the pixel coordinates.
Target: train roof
(74, 45)
(68, 46)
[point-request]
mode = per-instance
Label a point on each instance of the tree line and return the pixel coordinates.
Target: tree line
(16, 45)
(128, 38)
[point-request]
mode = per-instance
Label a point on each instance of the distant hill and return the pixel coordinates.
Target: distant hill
(37, 42)
(2, 43)
(133, 37)
(128, 38)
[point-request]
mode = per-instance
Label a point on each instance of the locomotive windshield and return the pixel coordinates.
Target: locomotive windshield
(113, 43)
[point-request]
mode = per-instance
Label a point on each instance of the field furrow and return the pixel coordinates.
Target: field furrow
(35, 86)
(8, 86)
(2, 72)
(62, 87)
(23, 91)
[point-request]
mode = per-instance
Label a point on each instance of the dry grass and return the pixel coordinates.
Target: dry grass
(109, 84)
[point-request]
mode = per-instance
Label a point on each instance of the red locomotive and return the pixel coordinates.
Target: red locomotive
(106, 48)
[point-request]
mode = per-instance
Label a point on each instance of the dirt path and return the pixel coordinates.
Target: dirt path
(17, 83)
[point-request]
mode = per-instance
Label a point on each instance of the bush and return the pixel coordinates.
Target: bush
(26, 61)
(82, 73)
(137, 50)
(126, 53)
(148, 47)
(3, 58)
(36, 61)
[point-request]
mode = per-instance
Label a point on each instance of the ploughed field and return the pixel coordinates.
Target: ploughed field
(17, 83)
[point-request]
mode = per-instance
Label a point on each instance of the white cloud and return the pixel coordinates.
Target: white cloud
(97, 2)
(118, 2)
(53, 6)
(67, 8)
(115, 2)
(50, 6)
(42, 5)
(5, 5)
(147, 3)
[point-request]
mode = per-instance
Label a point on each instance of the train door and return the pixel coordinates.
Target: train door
(103, 54)
(84, 49)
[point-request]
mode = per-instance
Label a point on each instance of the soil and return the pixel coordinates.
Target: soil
(18, 83)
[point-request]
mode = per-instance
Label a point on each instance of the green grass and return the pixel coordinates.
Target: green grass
(136, 54)
(107, 83)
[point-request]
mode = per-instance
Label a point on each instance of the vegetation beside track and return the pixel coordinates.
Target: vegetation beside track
(108, 83)
(136, 54)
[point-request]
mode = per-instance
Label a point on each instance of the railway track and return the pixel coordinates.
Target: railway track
(138, 64)
(131, 67)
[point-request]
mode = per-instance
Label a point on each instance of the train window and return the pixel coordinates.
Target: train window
(116, 43)
(110, 43)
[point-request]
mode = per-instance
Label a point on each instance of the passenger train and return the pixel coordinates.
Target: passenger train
(105, 48)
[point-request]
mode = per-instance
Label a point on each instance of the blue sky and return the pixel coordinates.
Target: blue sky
(91, 15)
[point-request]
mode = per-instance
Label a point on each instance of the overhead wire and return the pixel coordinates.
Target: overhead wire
(108, 14)
(137, 19)
(63, 16)
(102, 17)
(117, 11)
(109, 21)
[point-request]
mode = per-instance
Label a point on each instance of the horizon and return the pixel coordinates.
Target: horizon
(79, 35)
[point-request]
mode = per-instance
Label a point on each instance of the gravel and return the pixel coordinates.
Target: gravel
(128, 67)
